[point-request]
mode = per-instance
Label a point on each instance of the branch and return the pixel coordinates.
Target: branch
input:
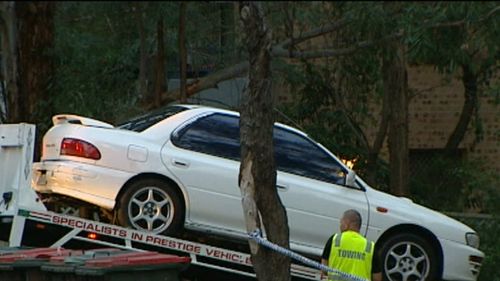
(279, 52)
(414, 94)
(241, 68)
(312, 34)
(207, 82)
(463, 21)
(328, 28)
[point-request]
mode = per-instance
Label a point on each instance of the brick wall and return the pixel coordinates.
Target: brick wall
(434, 111)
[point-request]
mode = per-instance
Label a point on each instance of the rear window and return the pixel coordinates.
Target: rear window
(141, 123)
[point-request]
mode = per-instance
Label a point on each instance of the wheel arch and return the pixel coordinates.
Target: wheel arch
(423, 232)
(164, 178)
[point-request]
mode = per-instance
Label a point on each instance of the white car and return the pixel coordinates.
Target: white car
(179, 168)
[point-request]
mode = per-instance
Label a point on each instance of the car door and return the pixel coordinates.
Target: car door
(204, 156)
(310, 184)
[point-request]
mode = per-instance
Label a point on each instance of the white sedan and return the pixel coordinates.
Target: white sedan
(178, 167)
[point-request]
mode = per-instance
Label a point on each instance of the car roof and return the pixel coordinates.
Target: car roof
(150, 119)
(204, 108)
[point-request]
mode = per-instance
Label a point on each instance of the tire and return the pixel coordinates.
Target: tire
(408, 257)
(151, 205)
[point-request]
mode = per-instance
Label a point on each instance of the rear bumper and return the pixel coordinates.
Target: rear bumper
(462, 262)
(90, 183)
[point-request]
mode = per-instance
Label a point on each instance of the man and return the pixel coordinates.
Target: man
(350, 252)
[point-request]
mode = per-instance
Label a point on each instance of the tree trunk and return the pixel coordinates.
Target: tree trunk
(144, 94)
(396, 87)
(258, 171)
(182, 52)
(378, 142)
(3, 101)
(10, 73)
(160, 85)
(469, 80)
(36, 68)
(143, 83)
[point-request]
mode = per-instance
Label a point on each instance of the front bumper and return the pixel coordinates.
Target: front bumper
(462, 262)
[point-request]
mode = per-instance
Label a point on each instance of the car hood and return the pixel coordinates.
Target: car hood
(401, 210)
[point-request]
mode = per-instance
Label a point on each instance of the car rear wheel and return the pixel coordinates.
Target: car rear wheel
(151, 205)
(408, 257)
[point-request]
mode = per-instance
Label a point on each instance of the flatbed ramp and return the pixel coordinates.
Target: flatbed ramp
(48, 229)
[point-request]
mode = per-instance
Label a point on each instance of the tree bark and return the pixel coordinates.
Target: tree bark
(182, 52)
(257, 170)
(469, 80)
(36, 68)
(206, 82)
(378, 142)
(10, 73)
(143, 83)
(160, 85)
(396, 87)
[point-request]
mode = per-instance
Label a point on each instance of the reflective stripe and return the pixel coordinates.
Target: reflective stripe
(337, 239)
(368, 246)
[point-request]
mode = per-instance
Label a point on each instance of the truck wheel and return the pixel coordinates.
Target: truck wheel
(151, 205)
(408, 257)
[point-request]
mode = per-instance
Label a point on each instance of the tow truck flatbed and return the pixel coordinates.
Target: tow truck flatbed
(25, 221)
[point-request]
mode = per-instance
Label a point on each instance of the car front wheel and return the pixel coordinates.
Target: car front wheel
(151, 205)
(408, 257)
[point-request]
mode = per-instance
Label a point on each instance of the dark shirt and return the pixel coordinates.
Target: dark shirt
(375, 261)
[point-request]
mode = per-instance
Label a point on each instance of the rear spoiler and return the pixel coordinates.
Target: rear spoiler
(80, 120)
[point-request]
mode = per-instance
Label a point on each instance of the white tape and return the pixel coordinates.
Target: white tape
(339, 275)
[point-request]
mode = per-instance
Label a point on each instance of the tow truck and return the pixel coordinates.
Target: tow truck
(26, 221)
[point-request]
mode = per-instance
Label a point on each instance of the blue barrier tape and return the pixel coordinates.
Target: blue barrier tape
(339, 275)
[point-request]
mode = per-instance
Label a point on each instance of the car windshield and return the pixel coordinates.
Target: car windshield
(141, 123)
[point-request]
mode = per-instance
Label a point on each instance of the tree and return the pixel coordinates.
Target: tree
(461, 38)
(182, 52)
(160, 85)
(9, 60)
(28, 37)
(143, 55)
(36, 67)
(257, 178)
(27, 61)
(395, 84)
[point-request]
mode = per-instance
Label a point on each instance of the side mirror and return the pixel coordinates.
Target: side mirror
(350, 179)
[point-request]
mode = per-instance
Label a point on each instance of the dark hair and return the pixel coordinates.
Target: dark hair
(354, 217)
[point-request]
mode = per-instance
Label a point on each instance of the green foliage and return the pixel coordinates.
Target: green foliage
(487, 230)
(97, 52)
(330, 102)
(465, 185)
(452, 34)
(97, 62)
(320, 108)
(462, 186)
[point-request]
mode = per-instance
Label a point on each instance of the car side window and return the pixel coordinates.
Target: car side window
(215, 134)
(298, 155)
(219, 135)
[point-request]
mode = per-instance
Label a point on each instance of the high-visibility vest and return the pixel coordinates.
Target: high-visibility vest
(351, 253)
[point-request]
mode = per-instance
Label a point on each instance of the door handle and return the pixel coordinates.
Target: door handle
(281, 186)
(180, 163)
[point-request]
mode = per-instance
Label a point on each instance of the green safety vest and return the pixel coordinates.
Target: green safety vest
(351, 253)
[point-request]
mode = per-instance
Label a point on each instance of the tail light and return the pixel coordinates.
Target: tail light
(79, 148)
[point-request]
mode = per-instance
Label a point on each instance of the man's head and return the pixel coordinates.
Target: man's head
(351, 220)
